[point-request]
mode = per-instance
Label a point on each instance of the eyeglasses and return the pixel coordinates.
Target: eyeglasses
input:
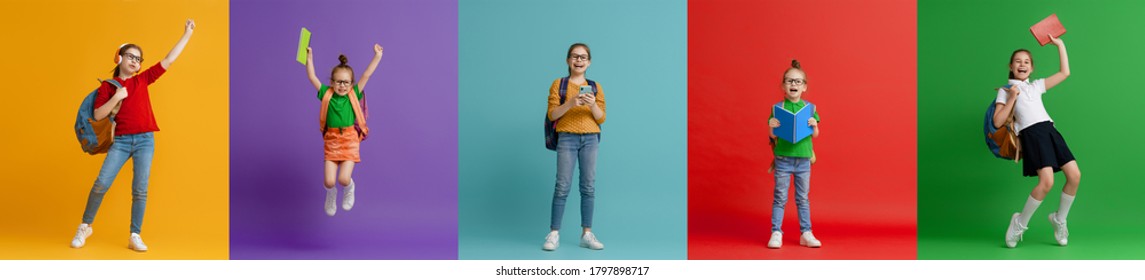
(342, 83)
(137, 59)
(578, 57)
(797, 82)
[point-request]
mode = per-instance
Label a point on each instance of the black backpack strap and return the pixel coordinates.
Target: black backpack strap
(564, 88)
(593, 84)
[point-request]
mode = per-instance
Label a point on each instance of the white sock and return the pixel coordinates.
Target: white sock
(1028, 211)
(351, 186)
(1063, 209)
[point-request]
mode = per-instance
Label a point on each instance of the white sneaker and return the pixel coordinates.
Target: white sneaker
(776, 240)
(82, 234)
(135, 242)
(1061, 233)
(588, 240)
(552, 241)
(808, 239)
(331, 201)
(1014, 232)
(348, 196)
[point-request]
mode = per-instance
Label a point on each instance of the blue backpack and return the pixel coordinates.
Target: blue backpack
(551, 126)
(95, 137)
(1003, 142)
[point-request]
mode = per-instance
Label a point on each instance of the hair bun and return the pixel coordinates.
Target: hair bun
(795, 64)
(342, 59)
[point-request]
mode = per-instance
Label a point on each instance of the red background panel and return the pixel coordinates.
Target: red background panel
(860, 60)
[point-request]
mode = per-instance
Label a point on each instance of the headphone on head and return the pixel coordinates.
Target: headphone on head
(119, 57)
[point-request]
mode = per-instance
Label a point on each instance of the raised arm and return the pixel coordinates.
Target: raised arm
(175, 51)
(370, 69)
(1063, 73)
(310, 69)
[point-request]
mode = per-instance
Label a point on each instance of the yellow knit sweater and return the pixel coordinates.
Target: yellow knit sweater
(578, 119)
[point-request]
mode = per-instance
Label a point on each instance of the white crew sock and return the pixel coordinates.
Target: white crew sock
(1063, 208)
(1028, 210)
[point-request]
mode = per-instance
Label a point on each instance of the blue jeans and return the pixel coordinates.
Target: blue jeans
(785, 167)
(570, 149)
(141, 147)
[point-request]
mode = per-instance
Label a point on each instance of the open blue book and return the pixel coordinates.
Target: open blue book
(792, 125)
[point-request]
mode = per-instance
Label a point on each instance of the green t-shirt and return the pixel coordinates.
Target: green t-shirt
(803, 148)
(340, 113)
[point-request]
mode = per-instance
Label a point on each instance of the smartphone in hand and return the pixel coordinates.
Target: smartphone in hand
(586, 90)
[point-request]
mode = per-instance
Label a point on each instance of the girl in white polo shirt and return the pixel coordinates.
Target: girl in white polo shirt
(1044, 151)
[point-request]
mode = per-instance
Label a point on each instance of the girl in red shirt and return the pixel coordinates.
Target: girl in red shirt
(130, 106)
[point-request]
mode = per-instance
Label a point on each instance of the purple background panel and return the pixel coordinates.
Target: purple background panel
(406, 206)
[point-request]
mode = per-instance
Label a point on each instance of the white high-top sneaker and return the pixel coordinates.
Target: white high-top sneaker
(348, 196)
(331, 201)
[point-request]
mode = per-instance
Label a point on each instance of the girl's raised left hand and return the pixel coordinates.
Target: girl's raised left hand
(377, 50)
(190, 26)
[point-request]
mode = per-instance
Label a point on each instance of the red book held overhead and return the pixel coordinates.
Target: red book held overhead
(1048, 26)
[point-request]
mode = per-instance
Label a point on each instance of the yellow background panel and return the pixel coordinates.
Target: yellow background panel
(53, 51)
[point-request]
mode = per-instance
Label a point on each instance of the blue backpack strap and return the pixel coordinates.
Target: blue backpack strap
(113, 82)
(564, 88)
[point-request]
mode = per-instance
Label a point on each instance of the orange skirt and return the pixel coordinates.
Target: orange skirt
(342, 144)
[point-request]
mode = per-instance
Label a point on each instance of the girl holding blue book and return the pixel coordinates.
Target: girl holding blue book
(793, 160)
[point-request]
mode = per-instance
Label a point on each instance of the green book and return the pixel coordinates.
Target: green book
(303, 42)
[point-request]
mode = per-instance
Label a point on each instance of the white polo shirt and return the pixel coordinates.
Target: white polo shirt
(1029, 109)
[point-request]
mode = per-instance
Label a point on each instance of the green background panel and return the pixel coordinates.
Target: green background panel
(966, 196)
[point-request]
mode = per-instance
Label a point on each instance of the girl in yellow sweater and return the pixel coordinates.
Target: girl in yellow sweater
(578, 117)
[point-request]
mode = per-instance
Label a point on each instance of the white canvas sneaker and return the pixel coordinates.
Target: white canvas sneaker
(1061, 232)
(808, 239)
(776, 240)
(1014, 232)
(552, 241)
(588, 240)
(82, 234)
(135, 242)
